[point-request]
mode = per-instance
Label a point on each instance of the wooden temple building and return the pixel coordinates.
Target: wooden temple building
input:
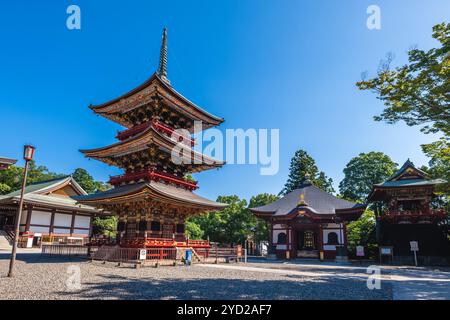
(49, 213)
(404, 211)
(308, 221)
(153, 198)
(6, 162)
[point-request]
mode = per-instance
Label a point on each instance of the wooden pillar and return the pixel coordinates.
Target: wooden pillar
(320, 237)
(91, 224)
(52, 222)
(344, 231)
(28, 221)
(72, 224)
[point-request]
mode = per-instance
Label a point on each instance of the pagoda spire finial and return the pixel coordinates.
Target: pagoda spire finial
(162, 68)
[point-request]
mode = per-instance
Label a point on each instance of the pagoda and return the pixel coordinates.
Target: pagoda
(153, 198)
(405, 211)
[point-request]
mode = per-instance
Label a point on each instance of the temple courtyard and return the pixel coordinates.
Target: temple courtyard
(40, 277)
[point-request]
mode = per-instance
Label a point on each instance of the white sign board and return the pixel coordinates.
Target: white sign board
(414, 245)
(359, 251)
(386, 251)
(142, 254)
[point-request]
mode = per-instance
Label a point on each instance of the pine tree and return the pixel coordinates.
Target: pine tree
(303, 164)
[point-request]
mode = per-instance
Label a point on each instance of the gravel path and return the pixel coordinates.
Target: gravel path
(39, 277)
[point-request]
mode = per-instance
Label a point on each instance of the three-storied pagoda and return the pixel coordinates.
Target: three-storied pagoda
(403, 206)
(153, 198)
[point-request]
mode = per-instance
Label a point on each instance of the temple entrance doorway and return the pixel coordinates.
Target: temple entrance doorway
(307, 244)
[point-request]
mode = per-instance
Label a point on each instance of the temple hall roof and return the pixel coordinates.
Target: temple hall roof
(408, 176)
(6, 162)
(308, 197)
(42, 193)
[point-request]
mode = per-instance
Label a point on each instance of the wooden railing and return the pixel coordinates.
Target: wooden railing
(163, 242)
(122, 135)
(153, 174)
(65, 250)
(414, 215)
(139, 255)
(9, 233)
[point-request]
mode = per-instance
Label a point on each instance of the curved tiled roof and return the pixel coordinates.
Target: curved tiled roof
(157, 190)
(314, 199)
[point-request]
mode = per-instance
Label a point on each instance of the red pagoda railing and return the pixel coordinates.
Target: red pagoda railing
(152, 174)
(163, 243)
(158, 126)
(396, 216)
(122, 135)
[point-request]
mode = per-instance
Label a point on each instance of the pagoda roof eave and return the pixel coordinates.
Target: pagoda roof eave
(98, 108)
(151, 135)
(153, 190)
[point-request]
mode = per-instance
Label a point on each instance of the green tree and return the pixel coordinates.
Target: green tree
(362, 233)
(11, 178)
(418, 92)
(303, 164)
(439, 164)
(230, 225)
(362, 172)
(193, 230)
(87, 182)
(439, 167)
(106, 226)
(261, 230)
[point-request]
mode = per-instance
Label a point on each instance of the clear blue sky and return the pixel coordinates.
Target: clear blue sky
(290, 65)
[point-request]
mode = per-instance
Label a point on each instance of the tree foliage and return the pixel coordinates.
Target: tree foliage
(362, 172)
(261, 230)
(11, 178)
(193, 230)
(106, 226)
(362, 233)
(230, 225)
(302, 164)
(418, 92)
(87, 182)
(233, 224)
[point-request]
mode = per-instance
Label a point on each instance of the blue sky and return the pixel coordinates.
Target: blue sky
(290, 65)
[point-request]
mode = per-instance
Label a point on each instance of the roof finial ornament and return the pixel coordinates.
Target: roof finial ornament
(162, 68)
(301, 201)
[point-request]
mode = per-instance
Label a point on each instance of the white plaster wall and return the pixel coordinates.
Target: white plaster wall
(40, 217)
(62, 220)
(337, 231)
(82, 222)
(61, 231)
(39, 229)
(332, 225)
(81, 231)
(23, 217)
(275, 234)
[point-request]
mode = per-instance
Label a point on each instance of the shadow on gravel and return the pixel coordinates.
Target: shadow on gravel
(116, 287)
(38, 258)
(422, 290)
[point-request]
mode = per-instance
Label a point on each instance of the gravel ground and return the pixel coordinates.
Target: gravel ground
(40, 277)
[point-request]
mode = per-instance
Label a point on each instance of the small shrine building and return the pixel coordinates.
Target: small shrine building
(49, 213)
(307, 221)
(405, 212)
